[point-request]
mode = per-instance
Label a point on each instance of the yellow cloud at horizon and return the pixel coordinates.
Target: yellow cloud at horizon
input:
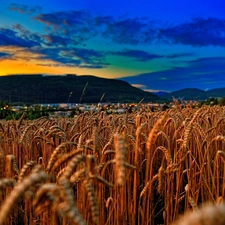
(140, 86)
(10, 67)
(156, 90)
(143, 87)
(26, 61)
(22, 67)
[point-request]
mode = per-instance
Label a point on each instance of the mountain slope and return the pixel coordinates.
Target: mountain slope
(218, 92)
(195, 94)
(187, 94)
(57, 89)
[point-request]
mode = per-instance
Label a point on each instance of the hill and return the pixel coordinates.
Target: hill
(218, 92)
(69, 88)
(195, 94)
(187, 94)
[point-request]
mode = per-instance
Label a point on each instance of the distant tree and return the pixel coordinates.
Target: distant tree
(5, 110)
(165, 107)
(222, 101)
(209, 101)
(214, 101)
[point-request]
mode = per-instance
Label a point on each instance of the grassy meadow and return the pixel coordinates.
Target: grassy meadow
(137, 168)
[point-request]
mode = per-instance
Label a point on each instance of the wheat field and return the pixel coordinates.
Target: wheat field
(138, 168)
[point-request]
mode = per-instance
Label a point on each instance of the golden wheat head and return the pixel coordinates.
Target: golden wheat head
(207, 215)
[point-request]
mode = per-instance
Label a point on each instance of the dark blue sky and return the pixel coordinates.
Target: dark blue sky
(154, 45)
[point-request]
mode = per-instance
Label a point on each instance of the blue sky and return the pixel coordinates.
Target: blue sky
(154, 45)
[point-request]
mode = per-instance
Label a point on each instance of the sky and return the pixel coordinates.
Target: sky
(155, 45)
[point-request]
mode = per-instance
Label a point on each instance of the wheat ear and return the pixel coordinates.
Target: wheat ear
(72, 164)
(9, 165)
(24, 169)
(161, 179)
(46, 193)
(24, 133)
(1, 165)
(207, 215)
(67, 206)
(63, 159)
(120, 148)
(2, 128)
(54, 156)
(153, 133)
(187, 132)
(20, 120)
(18, 191)
(5, 182)
(93, 201)
(221, 154)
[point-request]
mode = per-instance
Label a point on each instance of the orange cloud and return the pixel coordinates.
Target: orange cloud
(21, 60)
(37, 67)
(22, 67)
